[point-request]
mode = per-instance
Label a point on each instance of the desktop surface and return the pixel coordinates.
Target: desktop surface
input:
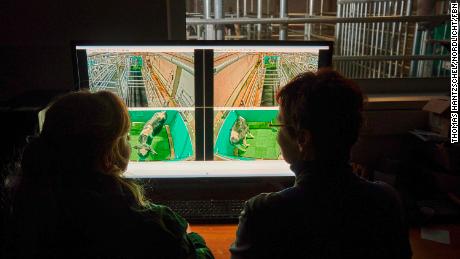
(219, 238)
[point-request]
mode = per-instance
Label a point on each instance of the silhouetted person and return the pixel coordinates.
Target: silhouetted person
(70, 200)
(329, 212)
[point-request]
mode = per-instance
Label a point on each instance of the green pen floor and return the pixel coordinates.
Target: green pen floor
(263, 145)
(160, 144)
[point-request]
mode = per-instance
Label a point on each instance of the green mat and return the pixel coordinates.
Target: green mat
(160, 144)
(263, 145)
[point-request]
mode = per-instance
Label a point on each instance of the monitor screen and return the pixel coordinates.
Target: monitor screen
(157, 85)
(246, 81)
(193, 116)
(250, 76)
(143, 76)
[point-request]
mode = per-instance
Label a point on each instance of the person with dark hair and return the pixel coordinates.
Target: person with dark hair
(329, 212)
(70, 199)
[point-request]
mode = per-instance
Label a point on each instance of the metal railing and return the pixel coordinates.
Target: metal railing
(389, 49)
(373, 38)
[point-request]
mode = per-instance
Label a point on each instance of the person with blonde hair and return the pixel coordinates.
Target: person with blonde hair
(70, 199)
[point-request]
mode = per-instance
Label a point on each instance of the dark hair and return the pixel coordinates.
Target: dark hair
(329, 106)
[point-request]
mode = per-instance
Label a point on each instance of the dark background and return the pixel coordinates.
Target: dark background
(36, 38)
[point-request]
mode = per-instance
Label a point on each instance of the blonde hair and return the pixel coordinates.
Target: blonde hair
(92, 127)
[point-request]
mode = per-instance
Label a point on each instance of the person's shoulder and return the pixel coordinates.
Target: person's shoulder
(167, 214)
(383, 189)
(381, 192)
(270, 201)
(185, 245)
(162, 216)
(259, 202)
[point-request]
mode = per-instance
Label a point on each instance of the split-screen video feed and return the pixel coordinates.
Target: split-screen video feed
(246, 135)
(144, 79)
(162, 135)
(252, 79)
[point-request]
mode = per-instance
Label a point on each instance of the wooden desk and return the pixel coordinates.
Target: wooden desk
(426, 249)
(220, 237)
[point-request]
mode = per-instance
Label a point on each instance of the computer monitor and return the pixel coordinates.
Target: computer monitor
(200, 109)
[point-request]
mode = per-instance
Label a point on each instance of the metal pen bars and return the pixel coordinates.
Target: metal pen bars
(141, 86)
(373, 38)
(393, 49)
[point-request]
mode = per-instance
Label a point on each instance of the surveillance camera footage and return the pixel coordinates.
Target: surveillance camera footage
(144, 79)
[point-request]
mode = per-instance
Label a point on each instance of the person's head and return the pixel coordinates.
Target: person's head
(91, 128)
(83, 134)
(320, 115)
